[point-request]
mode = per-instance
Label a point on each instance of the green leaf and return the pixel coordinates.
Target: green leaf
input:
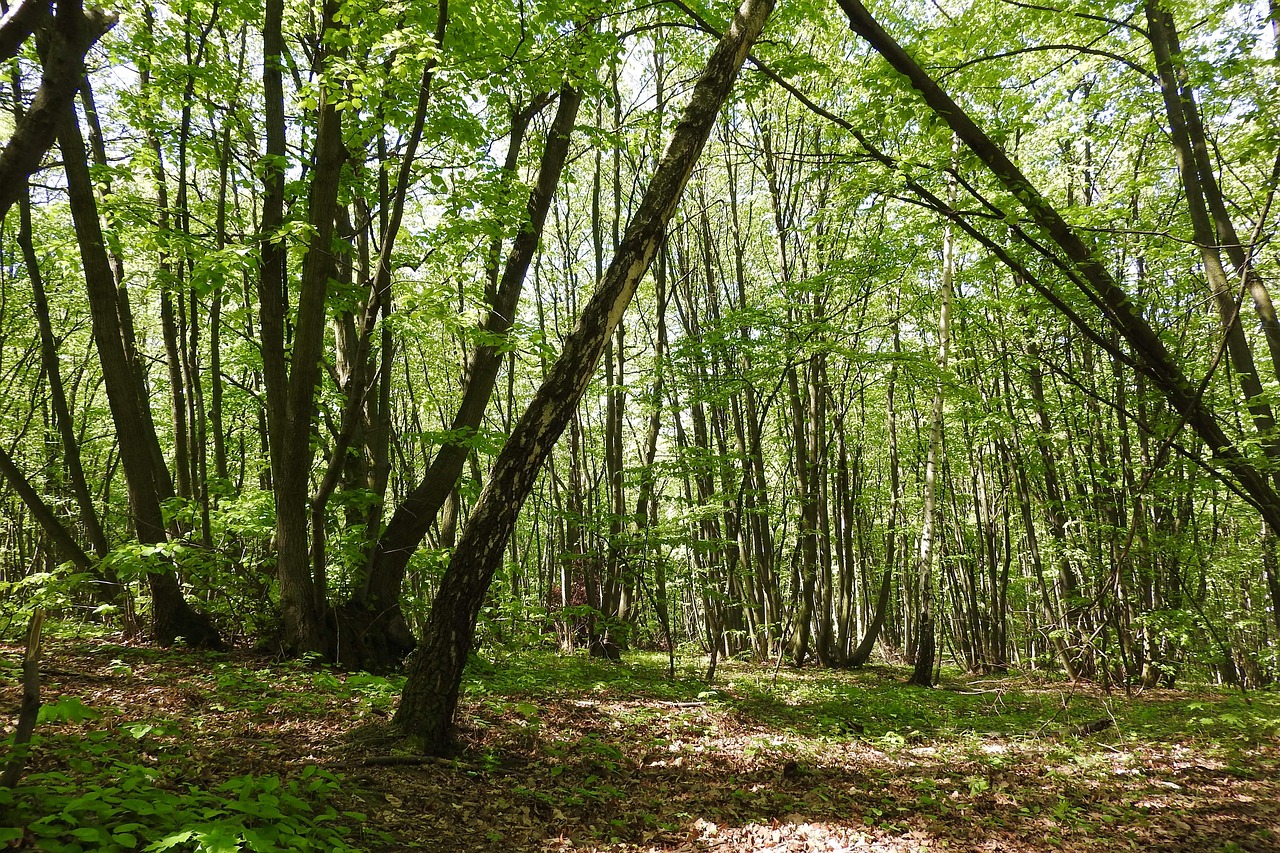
(219, 840)
(169, 842)
(90, 833)
(68, 709)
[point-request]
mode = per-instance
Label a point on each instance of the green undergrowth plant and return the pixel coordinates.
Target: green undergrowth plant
(124, 777)
(875, 704)
(546, 673)
(128, 807)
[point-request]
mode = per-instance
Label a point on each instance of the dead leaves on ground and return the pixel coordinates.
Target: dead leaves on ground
(611, 770)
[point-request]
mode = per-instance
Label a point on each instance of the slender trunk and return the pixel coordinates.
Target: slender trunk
(215, 318)
(43, 515)
(863, 652)
(64, 39)
(57, 393)
(1084, 268)
(1192, 142)
(1212, 226)
(646, 513)
(272, 289)
(926, 651)
(173, 617)
(302, 594)
(29, 710)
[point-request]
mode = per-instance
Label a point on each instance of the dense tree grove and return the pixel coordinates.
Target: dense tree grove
(943, 329)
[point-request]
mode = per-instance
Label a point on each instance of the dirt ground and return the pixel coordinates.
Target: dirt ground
(615, 766)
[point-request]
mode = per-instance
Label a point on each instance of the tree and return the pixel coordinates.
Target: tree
(926, 644)
(417, 512)
(145, 473)
(430, 695)
(1086, 271)
(64, 37)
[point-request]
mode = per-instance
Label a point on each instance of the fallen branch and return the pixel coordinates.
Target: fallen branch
(395, 761)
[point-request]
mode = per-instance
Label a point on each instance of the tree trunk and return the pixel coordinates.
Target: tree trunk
(388, 639)
(29, 710)
(863, 652)
(57, 393)
(173, 617)
(926, 651)
(63, 40)
(435, 670)
(64, 543)
(292, 388)
(1212, 227)
(1084, 268)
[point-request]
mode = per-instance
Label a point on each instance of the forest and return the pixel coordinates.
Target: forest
(501, 397)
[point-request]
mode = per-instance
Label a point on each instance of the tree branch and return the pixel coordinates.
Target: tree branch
(68, 39)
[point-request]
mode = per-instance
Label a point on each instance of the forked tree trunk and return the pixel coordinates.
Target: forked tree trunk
(387, 638)
(147, 486)
(435, 670)
(1180, 96)
(292, 387)
(63, 39)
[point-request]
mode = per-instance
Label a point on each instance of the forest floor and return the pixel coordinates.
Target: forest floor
(143, 749)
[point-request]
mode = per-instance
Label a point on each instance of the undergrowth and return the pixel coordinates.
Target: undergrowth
(142, 750)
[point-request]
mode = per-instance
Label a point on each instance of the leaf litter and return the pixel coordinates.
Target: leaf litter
(564, 753)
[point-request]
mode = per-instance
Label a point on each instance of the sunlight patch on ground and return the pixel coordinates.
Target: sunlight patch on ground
(791, 834)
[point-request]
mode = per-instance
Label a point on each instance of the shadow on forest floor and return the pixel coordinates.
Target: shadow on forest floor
(565, 753)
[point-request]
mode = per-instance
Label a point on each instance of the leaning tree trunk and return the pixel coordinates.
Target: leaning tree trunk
(57, 393)
(147, 486)
(1085, 269)
(63, 542)
(1212, 228)
(63, 39)
(435, 670)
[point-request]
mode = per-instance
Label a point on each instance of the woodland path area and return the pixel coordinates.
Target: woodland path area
(219, 751)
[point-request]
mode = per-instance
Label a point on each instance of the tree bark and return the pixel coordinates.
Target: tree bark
(926, 651)
(862, 653)
(19, 22)
(67, 36)
(435, 670)
(29, 710)
(173, 617)
(301, 598)
(1212, 227)
(44, 515)
(57, 393)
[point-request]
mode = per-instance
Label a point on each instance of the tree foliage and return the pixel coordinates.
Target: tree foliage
(298, 272)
